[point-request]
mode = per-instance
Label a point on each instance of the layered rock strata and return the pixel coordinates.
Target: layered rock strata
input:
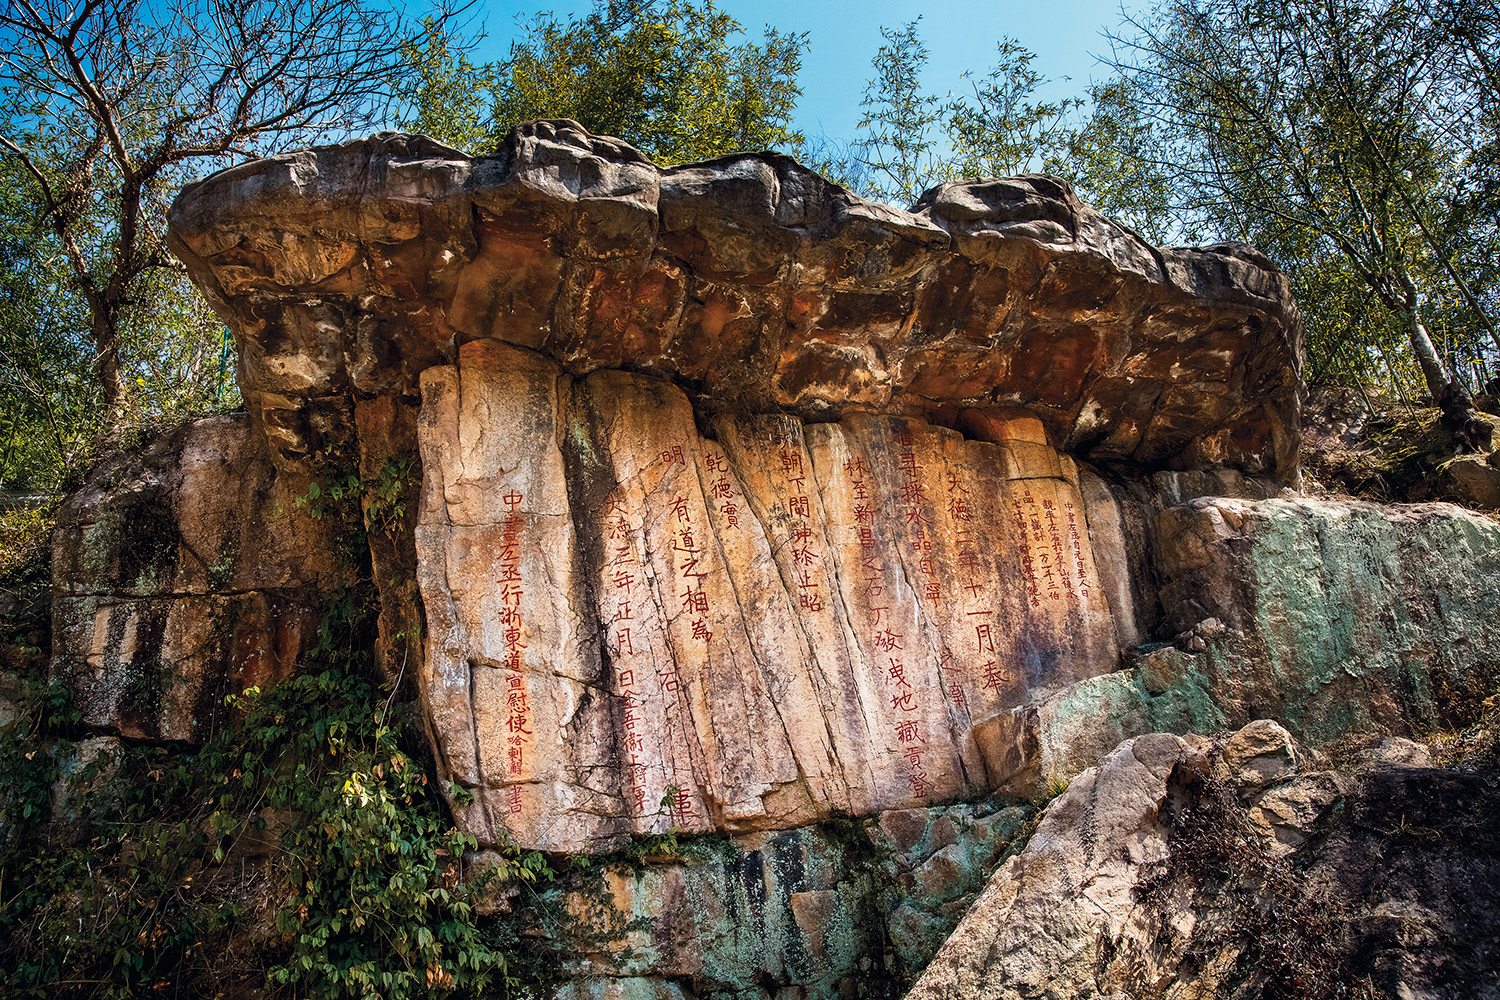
(750, 281)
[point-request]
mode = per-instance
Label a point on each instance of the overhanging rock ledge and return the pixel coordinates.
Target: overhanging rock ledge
(749, 281)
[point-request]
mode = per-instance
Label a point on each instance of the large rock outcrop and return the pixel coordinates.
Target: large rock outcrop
(748, 280)
(715, 499)
(766, 626)
(1184, 868)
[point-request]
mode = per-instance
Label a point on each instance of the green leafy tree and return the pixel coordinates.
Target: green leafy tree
(447, 96)
(47, 390)
(898, 150)
(1116, 161)
(912, 138)
(1338, 125)
(667, 77)
(999, 128)
(109, 105)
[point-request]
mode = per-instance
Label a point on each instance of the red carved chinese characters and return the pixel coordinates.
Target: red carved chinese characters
(688, 550)
(908, 731)
(805, 556)
(1024, 508)
(1055, 573)
(1075, 542)
(623, 577)
(512, 591)
(913, 508)
(864, 524)
(517, 718)
(720, 489)
(963, 537)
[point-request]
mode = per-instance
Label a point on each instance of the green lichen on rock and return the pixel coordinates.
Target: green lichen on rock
(846, 904)
(1353, 608)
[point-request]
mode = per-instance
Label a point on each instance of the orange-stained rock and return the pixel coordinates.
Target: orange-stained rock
(184, 572)
(751, 282)
(634, 627)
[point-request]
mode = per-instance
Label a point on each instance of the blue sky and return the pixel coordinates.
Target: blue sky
(960, 34)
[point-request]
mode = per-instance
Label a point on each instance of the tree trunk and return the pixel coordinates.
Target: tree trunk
(107, 364)
(1470, 433)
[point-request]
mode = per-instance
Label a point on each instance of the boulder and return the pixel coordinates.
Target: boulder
(1150, 878)
(184, 572)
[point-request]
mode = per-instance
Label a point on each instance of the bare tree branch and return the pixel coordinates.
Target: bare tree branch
(109, 102)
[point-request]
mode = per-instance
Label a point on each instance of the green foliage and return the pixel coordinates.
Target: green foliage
(669, 78)
(373, 904)
(999, 129)
(448, 97)
(664, 77)
(48, 396)
(338, 498)
(912, 139)
(375, 908)
(385, 495)
(1115, 161)
(898, 147)
(1345, 140)
(362, 506)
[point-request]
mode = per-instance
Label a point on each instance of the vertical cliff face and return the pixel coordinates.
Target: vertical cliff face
(759, 628)
(716, 500)
(183, 573)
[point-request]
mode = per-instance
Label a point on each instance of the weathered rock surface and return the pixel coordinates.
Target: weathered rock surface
(1331, 616)
(714, 500)
(183, 573)
(761, 628)
(850, 909)
(750, 281)
(1336, 616)
(1150, 879)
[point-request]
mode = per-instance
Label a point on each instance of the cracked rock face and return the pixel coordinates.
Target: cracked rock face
(743, 502)
(751, 282)
(1151, 877)
(635, 625)
(183, 573)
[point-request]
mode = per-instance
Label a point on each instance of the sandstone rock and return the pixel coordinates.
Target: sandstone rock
(1328, 616)
(799, 620)
(1144, 880)
(782, 908)
(1332, 610)
(917, 934)
(185, 572)
(85, 788)
(12, 690)
(620, 988)
(901, 830)
(942, 876)
(1291, 812)
(1395, 750)
(805, 912)
(1477, 479)
(1259, 754)
(1077, 879)
(748, 279)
